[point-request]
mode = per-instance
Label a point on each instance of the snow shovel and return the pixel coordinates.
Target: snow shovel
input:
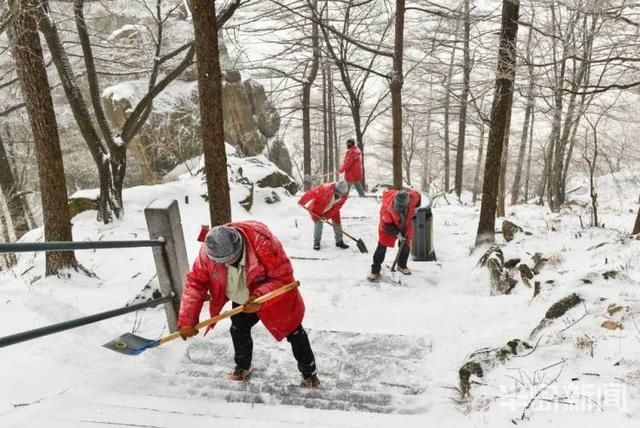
(395, 263)
(130, 344)
(359, 242)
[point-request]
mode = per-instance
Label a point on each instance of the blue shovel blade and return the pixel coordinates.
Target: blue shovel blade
(130, 344)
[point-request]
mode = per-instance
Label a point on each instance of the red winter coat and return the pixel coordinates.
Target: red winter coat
(352, 165)
(320, 196)
(267, 268)
(388, 214)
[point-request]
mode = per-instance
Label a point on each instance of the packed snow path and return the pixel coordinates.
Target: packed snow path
(387, 354)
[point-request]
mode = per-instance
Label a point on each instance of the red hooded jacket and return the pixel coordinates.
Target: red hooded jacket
(389, 215)
(267, 268)
(352, 165)
(320, 196)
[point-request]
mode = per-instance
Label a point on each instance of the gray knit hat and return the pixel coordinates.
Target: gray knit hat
(401, 201)
(342, 187)
(224, 244)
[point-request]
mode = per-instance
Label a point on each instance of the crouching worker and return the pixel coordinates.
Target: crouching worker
(396, 214)
(240, 262)
(324, 202)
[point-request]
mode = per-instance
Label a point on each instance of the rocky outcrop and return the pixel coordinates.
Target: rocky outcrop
(250, 119)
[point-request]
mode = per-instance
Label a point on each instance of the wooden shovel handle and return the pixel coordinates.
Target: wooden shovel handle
(262, 299)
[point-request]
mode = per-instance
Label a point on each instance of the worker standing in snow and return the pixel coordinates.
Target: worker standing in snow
(396, 215)
(240, 262)
(352, 167)
(324, 202)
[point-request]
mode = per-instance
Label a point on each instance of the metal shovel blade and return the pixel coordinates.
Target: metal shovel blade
(361, 246)
(130, 344)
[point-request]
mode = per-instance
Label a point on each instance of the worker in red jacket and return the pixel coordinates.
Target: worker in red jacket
(396, 213)
(324, 202)
(352, 167)
(240, 262)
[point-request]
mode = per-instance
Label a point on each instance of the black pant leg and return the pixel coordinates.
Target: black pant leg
(378, 258)
(241, 336)
(302, 351)
(404, 254)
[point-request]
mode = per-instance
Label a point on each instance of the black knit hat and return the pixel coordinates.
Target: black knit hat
(350, 142)
(401, 201)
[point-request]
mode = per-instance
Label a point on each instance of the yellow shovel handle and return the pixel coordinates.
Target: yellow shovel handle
(270, 295)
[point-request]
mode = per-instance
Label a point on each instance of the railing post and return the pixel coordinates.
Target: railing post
(163, 221)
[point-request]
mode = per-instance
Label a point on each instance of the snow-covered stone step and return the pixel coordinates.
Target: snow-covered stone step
(359, 371)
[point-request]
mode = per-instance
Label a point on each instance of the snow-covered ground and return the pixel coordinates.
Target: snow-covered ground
(388, 355)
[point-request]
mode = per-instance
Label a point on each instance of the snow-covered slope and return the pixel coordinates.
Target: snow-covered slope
(388, 355)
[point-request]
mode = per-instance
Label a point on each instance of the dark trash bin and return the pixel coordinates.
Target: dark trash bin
(422, 245)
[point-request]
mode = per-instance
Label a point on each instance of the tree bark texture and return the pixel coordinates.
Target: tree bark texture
(462, 122)
(9, 188)
(31, 70)
(211, 120)
(397, 79)
(505, 76)
(309, 78)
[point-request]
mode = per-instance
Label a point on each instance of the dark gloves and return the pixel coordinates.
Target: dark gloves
(187, 331)
(390, 228)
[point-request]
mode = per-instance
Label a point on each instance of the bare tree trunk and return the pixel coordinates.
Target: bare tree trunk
(462, 123)
(447, 107)
(500, 209)
(31, 70)
(310, 77)
(325, 129)
(10, 259)
(210, 94)
(107, 204)
(336, 141)
(426, 160)
(528, 170)
(515, 188)
(10, 190)
(476, 178)
(395, 85)
(636, 227)
(331, 122)
(591, 164)
(505, 76)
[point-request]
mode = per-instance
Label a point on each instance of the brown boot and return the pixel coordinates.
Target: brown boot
(239, 374)
(311, 381)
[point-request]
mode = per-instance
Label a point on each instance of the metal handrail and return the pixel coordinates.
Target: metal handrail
(23, 247)
(67, 325)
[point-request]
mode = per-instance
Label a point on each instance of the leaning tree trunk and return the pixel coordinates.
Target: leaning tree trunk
(31, 70)
(636, 227)
(505, 76)
(210, 94)
(9, 188)
(108, 205)
(462, 122)
(310, 77)
(396, 94)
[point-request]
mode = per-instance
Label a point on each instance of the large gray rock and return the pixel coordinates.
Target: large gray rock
(240, 129)
(266, 115)
(277, 153)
